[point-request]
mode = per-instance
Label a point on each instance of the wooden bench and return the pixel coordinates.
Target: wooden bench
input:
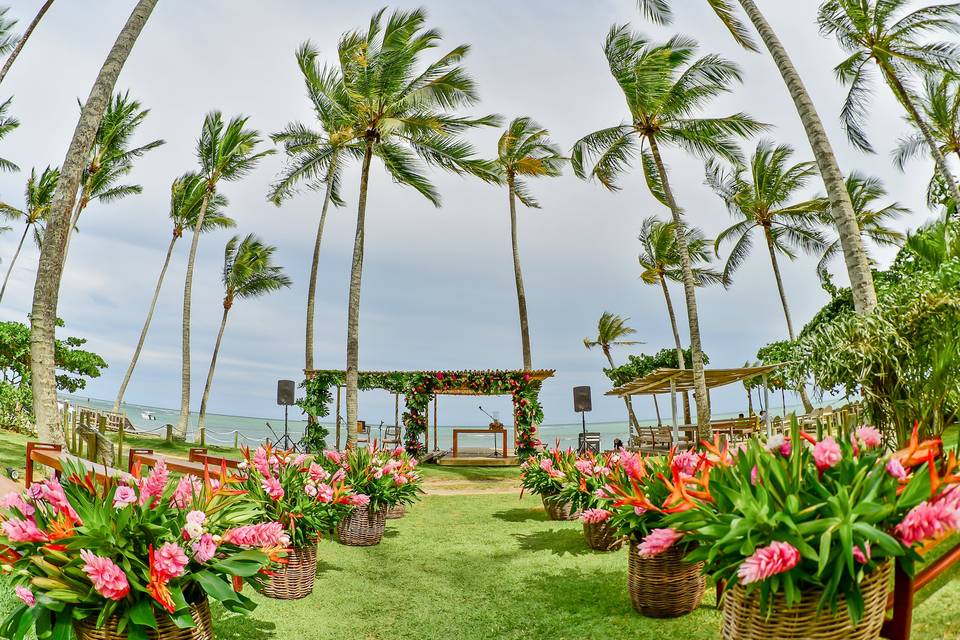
(53, 456)
(139, 458)
(200, 456)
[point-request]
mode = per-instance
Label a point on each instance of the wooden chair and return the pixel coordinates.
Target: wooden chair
(363, 432)
(391, 437)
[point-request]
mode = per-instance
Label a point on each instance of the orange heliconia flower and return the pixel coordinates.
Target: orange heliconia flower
(60, 528)
(916, 452)
(157, 587)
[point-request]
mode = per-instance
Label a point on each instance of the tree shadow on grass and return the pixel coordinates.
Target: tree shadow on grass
(324, 567)
(235, 625)
(559, 542)
(522, 515)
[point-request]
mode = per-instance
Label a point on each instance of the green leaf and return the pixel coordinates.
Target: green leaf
(215, 586)
(825, 540)
(141, 614)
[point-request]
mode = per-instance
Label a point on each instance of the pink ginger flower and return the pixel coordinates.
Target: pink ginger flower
(273, 487)
(333, 456)
(155, 484)
(826, 453)
(324, 493)
(753, 475)
(399, 479)
(338, 476)
(54, 495)
(18, 530)
(266, 534)
(359, 499)
(197, 517)
(187, 488)
(870, 437)
(685, 462)
(123, 497)
(930, 519)
(778, 557)
(786, 448)
(862, 556)
(601, 493)
(318, 473)
(595, 516)
(895, 469)
(204, 548)
(26, 596)
(108, 579)
(170, 560)
(583, 466)
(658, 541)
(639, 511)
(397, 452)
(546, 465)
(300, 459)
(310, 489)
(631, 465)
(260, 462)
(35, 492)
(14, 500)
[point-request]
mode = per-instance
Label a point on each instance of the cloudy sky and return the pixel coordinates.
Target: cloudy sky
(438, 285)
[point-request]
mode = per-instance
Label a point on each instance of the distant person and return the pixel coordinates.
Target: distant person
(617, 444)
(740, 417)
(763, 416)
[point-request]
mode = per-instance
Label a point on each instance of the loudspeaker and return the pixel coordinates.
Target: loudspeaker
(286, 390)
(581, 399)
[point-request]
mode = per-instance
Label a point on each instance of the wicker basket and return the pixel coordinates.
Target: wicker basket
(742, 619)
(86, 629)
(601, 536)
(556, 509)
(295, 579)
(665, 586)
(396, 512)
(363, 527)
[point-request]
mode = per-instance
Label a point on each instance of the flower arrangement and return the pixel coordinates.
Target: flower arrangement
(375, 477)
(132, 551)
(546, 473)
(583, 486)
(805, 514)
(303, 496)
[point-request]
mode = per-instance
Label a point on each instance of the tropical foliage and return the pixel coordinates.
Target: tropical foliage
(546, 473)
(373, 476)
(37, 197)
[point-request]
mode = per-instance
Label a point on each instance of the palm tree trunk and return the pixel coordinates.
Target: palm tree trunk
(184, 419)
(521, 296)
(656, 407)
(903, 97)
(74, 219)
(314, 268)
(13, 260)
(844, 218)
(627, 400)
(681, 360)
(23, 39)
(690, 291)
(146, 326)
(353, 309)
(749, 402)
(50, 269)
(202, 419)
(807, 405)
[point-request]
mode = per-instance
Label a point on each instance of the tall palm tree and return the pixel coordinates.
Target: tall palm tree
(36, 206)
(661, 262)
(7, 124)
(664, 86)
(399, 112)
(44, 312)
(186, 197)
(886, 33)
(111, 157)
(611, 331)
(225, 152)
(865, 192)
(524, 151)
(858, 267)
(317, 158)
(248, 272)
(21, 41)
(761, 198)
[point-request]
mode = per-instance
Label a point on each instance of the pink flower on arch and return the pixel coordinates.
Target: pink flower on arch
(26, 596)
(18, 530)
(826, 453)
(658, 541)
(778, 557)
(170, 560)
(107, 578)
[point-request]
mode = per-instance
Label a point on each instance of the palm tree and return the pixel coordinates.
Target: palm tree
(111, 157)
(317, 158)
(248, 272)
(858, 267)
(865, 191)
(7, 124)
(37, 198)
(8, 39)
(664, 85)
(661, 262)
(5, 45)
(524, 151)
(50, 270)
(760, 197)
(399, 112)
(225, 152)
(611, 329)
(186, 197)
(885, 33)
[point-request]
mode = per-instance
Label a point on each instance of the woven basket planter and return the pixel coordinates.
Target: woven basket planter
(601, 536)
(742, 619)
(363, 527)
(396, 512)
(294, 580)
(665, 586)
(558, 510)
(86, 629)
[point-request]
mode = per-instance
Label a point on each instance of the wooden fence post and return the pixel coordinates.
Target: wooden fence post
(91, 438)
(236, 439)
(169, 437)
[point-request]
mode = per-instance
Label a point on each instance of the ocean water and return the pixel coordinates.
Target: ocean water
(249, 430)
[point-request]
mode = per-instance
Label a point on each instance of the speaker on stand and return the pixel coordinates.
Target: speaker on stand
(286, 396)
(582, 403)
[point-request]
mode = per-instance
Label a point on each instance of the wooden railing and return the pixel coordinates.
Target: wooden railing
(905, 588)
